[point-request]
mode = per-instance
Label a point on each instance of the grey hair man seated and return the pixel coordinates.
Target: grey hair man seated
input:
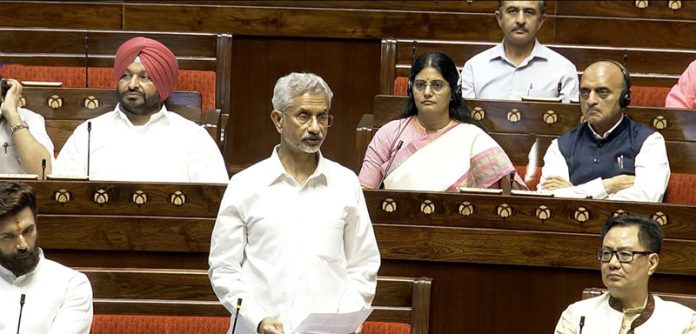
(629, 255)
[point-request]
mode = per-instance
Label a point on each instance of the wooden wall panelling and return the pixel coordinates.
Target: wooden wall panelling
(656, 9)
(350, 67)
(63, 14)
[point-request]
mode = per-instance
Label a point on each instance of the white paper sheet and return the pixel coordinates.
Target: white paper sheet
(332, 323)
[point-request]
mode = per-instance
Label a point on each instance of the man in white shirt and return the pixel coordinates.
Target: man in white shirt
(293, 235)
(520, 65)
(629, 255)
(49, 297)
(609, 156)
(25, 143)
(141, 140)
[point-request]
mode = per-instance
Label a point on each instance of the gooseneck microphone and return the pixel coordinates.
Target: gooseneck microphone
(391, 161)
(21, 307)
(89, 143)
(43, 169)
(236, 314)
(582, 323)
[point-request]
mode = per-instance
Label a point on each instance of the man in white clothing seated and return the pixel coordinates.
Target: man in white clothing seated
(519, 66)
(609, 156)
(141, 140)
(293, 235)
(25, 143)
(49, 297)
(629, 255)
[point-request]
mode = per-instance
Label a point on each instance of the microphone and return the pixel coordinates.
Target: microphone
(21, 307)
(582, 323)
(236, 314)
(43, 169)
(413, 53)
(391, 161)
(89, 143)
(558, 88)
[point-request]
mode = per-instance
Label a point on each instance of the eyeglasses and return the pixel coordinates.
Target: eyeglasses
(624, 256)
(436, 85)
(324, 119)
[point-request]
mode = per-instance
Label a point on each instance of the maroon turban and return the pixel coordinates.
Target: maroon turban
(159, 62)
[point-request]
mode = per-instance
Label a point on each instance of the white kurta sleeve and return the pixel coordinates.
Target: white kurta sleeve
(205, 163)
(555, 165)
(362, 257)
(75, 315)
(652, 172)
(566, 324)
(227, 246)
(73, 156)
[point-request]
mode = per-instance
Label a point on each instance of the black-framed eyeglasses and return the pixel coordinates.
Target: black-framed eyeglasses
(435, 85)
(324, 119)
(624, 256)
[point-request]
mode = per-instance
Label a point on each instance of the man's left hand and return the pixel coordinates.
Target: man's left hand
(555, 182)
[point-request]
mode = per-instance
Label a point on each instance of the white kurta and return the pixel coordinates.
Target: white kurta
(289, 250)
(601, 318)
(58, 300)
(168, 148)
(9, 157)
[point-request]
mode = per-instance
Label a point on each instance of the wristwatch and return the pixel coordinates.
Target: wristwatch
(20, 125)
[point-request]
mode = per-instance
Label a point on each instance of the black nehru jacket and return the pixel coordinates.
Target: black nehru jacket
(588, 158)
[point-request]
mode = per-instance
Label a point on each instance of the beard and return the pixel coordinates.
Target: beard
(150, 104)
(21, 262)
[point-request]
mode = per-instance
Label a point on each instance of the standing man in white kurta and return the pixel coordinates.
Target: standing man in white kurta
(629, 255)
(293, 235)
(141, 140)
(55, 298)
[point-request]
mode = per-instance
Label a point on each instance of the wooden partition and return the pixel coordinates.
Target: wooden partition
(516, 125)
(485, 253)
(648, 66)
(97, 48)
(187, 292)
(65, 108)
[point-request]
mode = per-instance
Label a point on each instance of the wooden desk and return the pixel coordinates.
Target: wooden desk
(524, 257)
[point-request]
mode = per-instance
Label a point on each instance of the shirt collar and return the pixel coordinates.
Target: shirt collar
(597, 136)
(163, 113)
(539, 51)
(9, 276)
(645, 312)
(277, 171)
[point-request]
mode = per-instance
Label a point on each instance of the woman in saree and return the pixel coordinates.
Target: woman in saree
(433, 145)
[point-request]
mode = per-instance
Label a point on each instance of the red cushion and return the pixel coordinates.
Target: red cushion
(534, 182)
(401, 86)
(158, 324)
(681, 189)
(645, 96)
(103, 77)
(372, 327)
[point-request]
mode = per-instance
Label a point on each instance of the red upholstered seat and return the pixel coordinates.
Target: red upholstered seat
(158, 324)
(645, 96)
(532, 184)
(371, 327)
(681, 189)
(102, 77)
(401, 86)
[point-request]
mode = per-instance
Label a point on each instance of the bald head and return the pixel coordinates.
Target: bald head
(601, 86)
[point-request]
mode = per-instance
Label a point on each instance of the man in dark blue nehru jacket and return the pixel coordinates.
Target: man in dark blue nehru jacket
(609, 156)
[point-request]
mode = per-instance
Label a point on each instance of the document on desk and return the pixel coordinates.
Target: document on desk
(332, 323)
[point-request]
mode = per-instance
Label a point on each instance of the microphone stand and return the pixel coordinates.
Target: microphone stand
(21, 308)
(236, 314)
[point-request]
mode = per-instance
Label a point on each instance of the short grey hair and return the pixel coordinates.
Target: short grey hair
(296, 84)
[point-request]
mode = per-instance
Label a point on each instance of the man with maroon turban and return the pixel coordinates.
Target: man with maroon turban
(141, 140)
